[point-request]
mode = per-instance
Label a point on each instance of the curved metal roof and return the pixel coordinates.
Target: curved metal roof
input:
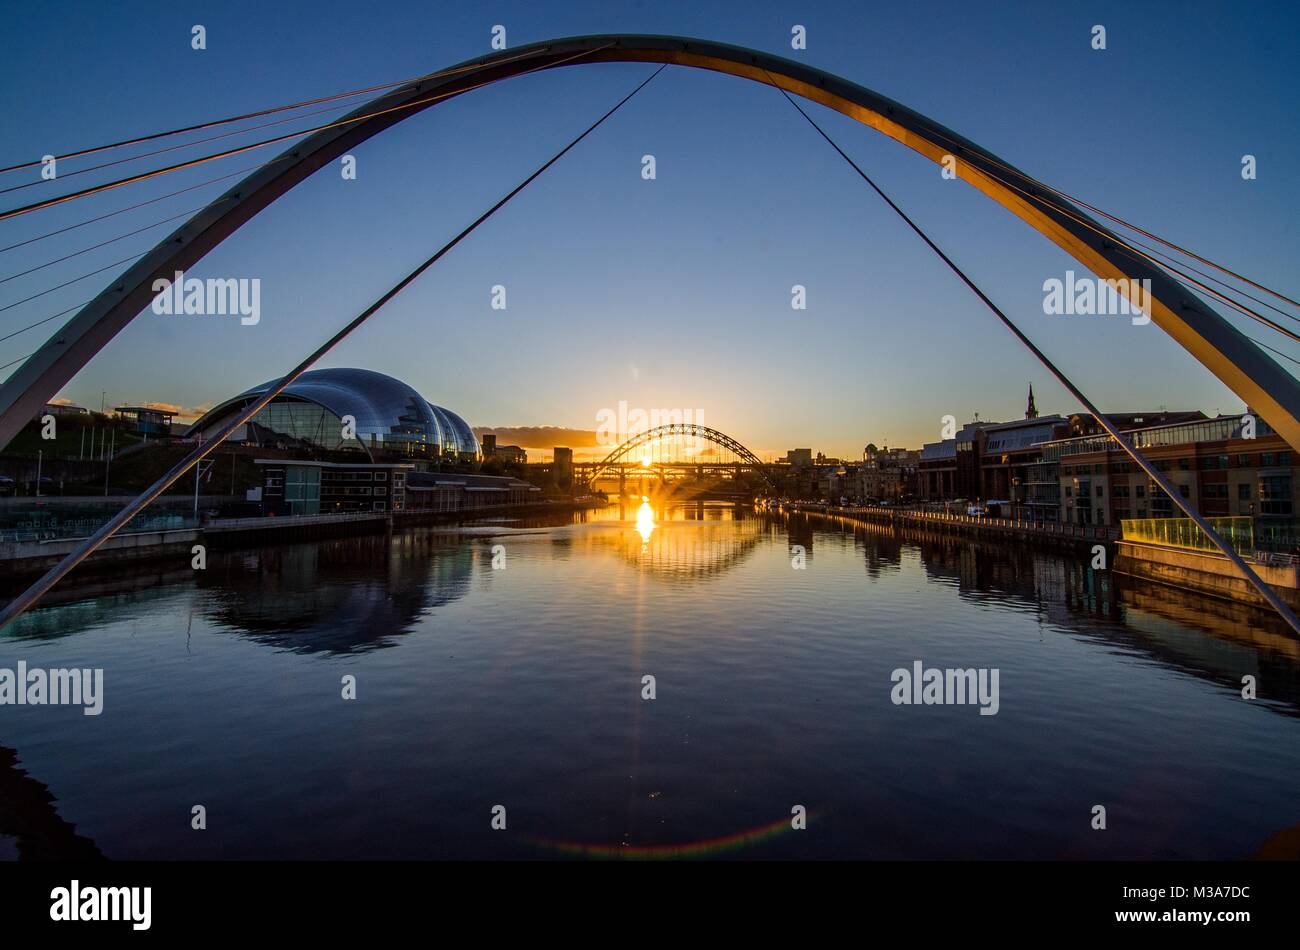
(383, 406)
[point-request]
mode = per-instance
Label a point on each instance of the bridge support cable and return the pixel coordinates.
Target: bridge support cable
(1267, 592)
(271, 110)
(350, 119)
(1065, 196)
(32, 594)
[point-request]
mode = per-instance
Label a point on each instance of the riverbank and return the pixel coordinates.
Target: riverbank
(1201, 572)
(1051, 534)
(31, 558)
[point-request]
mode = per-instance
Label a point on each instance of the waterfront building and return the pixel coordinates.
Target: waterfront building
(506, 453)
(950, 469)
(1210, 461)
(562, 467)
(147, 420)
(62, 409)
(437, 491)
(888, 475)
(309, 487)
(1006, 452)
(390, 418)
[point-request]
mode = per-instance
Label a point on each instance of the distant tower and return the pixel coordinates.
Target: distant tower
(1031, 411)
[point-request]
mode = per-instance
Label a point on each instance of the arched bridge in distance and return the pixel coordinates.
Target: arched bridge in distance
(678, 450)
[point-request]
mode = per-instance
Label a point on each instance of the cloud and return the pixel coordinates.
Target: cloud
(181, 412)
(541, 437)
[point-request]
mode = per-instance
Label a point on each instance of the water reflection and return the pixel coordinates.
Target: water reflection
(29, 819)
(1216, 640)
(688, 543)
(312, 598)
(526, 682)
(645, 522)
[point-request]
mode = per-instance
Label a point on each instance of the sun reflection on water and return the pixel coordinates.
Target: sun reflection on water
(645, 521)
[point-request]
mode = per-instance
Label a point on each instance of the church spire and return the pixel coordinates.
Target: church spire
(1031, 411)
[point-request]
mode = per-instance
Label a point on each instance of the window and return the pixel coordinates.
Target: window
(1275, 495)
(1101, 491)
(1243, 491)
(381, 476)
(1184, 491)
(379, 506)
(1283, 458)
(1265, 459)
(1141, 491)
(1243, 461)
(1184, 465)
(302, 489)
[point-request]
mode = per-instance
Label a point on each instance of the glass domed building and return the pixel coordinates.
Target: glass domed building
(390, 417)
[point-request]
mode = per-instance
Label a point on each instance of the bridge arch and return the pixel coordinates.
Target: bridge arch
(690, 430)
(1217, 344)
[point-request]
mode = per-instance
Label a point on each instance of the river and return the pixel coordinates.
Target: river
(506, 664)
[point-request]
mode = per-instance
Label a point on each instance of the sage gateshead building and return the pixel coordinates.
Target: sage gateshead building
(384, 417)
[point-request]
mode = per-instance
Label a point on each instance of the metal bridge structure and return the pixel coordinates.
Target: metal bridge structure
(1234, 358)
(1227, 352)
(656, 453)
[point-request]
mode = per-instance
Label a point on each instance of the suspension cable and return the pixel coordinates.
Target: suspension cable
(351, 94)
(104, 243)
(1267, 592)
(204, 159)
(33, 593)
(133, 207)
(1120, 221)
(1133, 251)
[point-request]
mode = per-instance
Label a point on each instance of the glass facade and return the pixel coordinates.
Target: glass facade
(388, 414)
(1185, 533)
(302, 489)
(1210, 430)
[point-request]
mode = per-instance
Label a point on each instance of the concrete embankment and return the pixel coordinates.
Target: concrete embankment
(1082, 537)
(1201, 572)
(32, 558)
(19, 558)
(1206, 573)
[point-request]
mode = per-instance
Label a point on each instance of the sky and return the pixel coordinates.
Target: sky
(672, 293)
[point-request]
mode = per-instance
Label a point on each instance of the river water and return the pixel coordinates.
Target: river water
(505, 664)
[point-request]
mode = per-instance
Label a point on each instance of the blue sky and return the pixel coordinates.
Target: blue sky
(671, 293)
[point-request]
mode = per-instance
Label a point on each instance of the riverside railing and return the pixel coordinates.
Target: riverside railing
(1053, 529)
(1184, 533)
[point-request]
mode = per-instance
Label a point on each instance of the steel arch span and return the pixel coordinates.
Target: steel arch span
(688, 429)
(1225, 351)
